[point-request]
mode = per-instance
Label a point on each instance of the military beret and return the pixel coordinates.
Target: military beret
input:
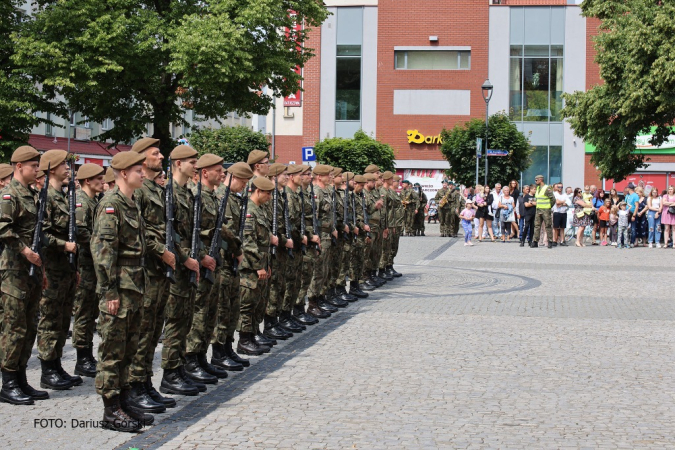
(52, 158)
(295, 169)
(397, 177)
(124, 160)
(241, 170)
(360, 179)
(40, 174)
(370, 177)
(6, 170)
(322, 169)
(372, 169)
(152, 174)
(256, 156)
(417, 184)
(208, 160)
(109, 175)
(349, 175)
(387, 175)
(24, 153)
(142, 145)
(264, 184)
(305, 168)
(337, 171)
(183, 152)
(406, 181)
(277, 169)
(88, 171)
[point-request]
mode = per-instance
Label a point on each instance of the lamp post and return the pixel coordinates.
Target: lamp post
(487, 95)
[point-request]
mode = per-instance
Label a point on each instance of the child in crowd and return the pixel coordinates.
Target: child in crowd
(623, 227)
(467, 215)
(613, 224)
(603, 219)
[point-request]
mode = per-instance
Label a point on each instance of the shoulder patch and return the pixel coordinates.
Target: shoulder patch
(78, 205)
(6, 197)
(248, 215)
(110, 210)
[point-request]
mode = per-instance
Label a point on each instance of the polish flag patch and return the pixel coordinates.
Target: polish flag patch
(6, 197)
(78, 205)
(110, 210)
(248, 216)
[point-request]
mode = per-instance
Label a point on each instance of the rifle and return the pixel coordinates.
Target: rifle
(354, 210)
(365, 213)
(384, 202)
(333, 240)
(38, 237)
(72, 224)
(345, 207)
(196, 229)
(287, 222)
(170, 239)
(275, 210)
(242, 223)
(303, 228)
(315, 219)
(216, 240)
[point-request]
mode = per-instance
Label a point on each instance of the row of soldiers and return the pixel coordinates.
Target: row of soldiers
(236, 249)
(415, 201)
(450, 203)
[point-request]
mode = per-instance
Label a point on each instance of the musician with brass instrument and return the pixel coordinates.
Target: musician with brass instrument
(444, 210)
(410, 200)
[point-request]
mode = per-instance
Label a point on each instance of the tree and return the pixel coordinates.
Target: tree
(459, 148)
(232, 143)
(635, 47)
(354, 155)
(138, 62)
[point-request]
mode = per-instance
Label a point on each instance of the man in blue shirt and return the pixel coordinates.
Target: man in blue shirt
(632, 200)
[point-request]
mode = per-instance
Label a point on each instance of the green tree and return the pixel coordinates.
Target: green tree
(138, 62)
(459, 148)
(635, 54)
(354, 155)
(232, 143)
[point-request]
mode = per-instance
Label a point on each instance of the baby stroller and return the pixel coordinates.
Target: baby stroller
(433, 212)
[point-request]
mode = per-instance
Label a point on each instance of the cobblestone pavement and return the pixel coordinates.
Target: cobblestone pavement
(491, 346)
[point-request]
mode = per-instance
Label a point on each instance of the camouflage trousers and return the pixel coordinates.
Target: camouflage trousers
(85, 309)
(345, 259)
(119, 342)
(395, 244)
(319, 283)
(178, 320)
(409, 218)
(365, 257)
(334, 261)
(293, 275)
(228, 306)
(418, 223)
(386, 249)
(373, 260)
(56, 308)
(152, 323)
(204, 315)
(20, 300)
(444, 219)
(277, 283)
(252, 290)
(456, 223)
(261, 307)
(309, 262)
(356, 258)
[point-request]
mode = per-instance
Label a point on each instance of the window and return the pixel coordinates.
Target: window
(432, 59)
(348, 83)
(547, 161)
(48, 126)
(107, 124)
(536, 83)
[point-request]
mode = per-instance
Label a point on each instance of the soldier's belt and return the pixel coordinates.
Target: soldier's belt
(264, 249)
(375, 221)
(130, 261)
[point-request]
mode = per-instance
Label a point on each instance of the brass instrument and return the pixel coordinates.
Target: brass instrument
(444, 200)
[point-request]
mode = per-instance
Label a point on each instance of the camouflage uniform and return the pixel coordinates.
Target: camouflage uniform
(410, 200)
(117, 247)
(347, 240)
(444, 212)
(418, 223)
(319, 283)
(395, 225)
(293, 266)
(356, 257)
(388, 210)
(335, 258)
(20, 293)
(279, 262)
(311, 258)
(178, 312)
(372, 260)
(456, 205)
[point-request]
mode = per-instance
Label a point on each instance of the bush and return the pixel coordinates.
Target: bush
(354, 155)
(232, 143)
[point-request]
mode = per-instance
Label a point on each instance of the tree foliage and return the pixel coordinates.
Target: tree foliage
(459, 148)
(354, 155)
(635, 54)
(232, 143)
(138, 62)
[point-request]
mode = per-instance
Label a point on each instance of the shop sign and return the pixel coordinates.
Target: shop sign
(415, 137)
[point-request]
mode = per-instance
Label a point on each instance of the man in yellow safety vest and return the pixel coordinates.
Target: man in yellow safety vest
(544, 198)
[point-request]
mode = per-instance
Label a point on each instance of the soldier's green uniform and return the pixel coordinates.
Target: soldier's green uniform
(374, 221)
(356, 260)
(395, 226)
(318, 285)
(418, 222)
(277, 285)
(335, 257)
(458, 205)
(311, 258)
(293, 266)
(410, 200)
(445, 211)
(347, 242)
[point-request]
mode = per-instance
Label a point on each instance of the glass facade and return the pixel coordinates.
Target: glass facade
(348, 71)
(432, 59)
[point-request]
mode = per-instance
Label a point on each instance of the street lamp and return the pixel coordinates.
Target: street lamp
(487, 95)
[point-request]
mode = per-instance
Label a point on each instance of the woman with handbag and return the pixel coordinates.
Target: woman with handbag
(582, 216)
(507, 217)
(668, 214)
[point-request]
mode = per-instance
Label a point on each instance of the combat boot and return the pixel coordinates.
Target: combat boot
(301, 316)
(344, 295)
(220, 358)
(295, 321)
(535, 244)
(133, 412)
(384, 275)
(74, 380)
(332, 298)
(137, 397)
(28, 389)
(210, 368)
(325, 306)
(233, 355)
(380, 281)
(201, 387)
(355, 289)
(289, 324)
(173, 383)
(156, 396)
(247, 345)
(195, 371)
(368, 284)
(84, 365)
(114, 417)
(263, 340)
(51, 379)
(272, 331)
(394, 273)
(314, 310)
(11, 391)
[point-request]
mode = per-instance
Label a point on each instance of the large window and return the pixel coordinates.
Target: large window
(547, 161)
(536, 83)
(348, 83)
(432, 59)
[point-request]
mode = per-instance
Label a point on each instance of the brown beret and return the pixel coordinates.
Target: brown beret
(6, 170)
(294, 169)
(52, 158)
(89, 171)
(387, 175)
(263, 184)
(321, 169)
(372, 169)
(370, 177)
(208, 160)
(397, 177)
(142, 145)
(124, 160)
(24, 153)
(40, 174)
(109, 175)
(336, 171)
(241, 170)
(349, 175)
(256, 156)
(305, 168)
(277, 169)
(182, 152)
(152, 174)
(359, 179)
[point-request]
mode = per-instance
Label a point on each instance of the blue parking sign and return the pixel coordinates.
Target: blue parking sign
(308, 154)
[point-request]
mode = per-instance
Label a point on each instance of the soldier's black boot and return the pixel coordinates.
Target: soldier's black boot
(201, 387)
(220, 358)
(263, 340)
(368, 284)
(210, 368)
(195, 371)
(314, 310)
(156, 396)
(90, 353)
(272, 331)
(535, 244)
(75, 380)
(51, 379)
(303, 317)
(391, 271)
(247, 345)
(333, 298)
(28, 389)
(355, 289)
(138, 398)
(377, 279)
(344, 295)
(325, 306)
(11, 391)
(289, 324)
(550, 244)
(295, 320)
(382, 273)
(114, 417)
(84, 365)
(173, 383)
(133, 412)
(233, 355)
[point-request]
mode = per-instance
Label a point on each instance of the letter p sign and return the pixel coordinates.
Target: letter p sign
(308, 154)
